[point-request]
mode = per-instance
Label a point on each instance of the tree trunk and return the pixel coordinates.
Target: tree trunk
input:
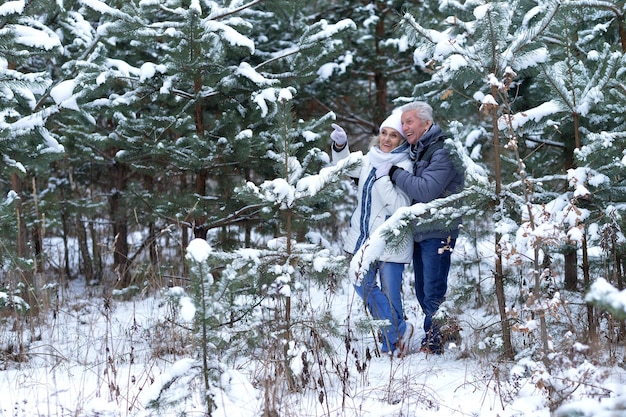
(593, 331)
(152, 246)
(37, 232)
(86, 263)
(97, 251)
(200, 229)
(570, 258)
(570, 254)
(499, 272)
(20, 244)
(184, 238)
(119, 217)
(66, 260)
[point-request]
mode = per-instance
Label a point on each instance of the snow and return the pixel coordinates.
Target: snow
(12, 7)
(62, 94)
(247, 71)
(270, 95)
(187, 309)
(457, 61)
(178, 368)
(18, 165)
(326, 70)
(327, 30)
(518, 120)
(312, 184)
(230, 35)
(75, 370)
(50, 144)
(88, 359)
(32, 37)
(100, 6)
(198, 250)
(149, 70)
(481, 11)
(601, 290)
(488, 99)
(531, 59)
(94, 361)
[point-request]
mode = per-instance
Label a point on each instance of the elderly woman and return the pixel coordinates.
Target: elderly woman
(377, 199)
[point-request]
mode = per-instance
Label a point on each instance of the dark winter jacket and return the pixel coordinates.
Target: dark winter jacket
(435, 178)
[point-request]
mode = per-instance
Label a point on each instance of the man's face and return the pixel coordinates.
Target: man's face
(413, 127)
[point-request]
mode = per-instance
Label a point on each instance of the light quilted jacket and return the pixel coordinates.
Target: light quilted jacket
(377, 199)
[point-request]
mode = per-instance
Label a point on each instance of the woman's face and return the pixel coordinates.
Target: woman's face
(389, 139)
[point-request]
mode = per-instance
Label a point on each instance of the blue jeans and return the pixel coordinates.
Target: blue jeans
(431, 264)
(385, 302)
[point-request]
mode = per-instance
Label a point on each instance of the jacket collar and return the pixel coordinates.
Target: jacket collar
(427, 138)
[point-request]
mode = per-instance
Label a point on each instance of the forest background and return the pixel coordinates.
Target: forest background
(132, 129)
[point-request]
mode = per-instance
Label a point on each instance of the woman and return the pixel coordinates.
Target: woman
(377, 199)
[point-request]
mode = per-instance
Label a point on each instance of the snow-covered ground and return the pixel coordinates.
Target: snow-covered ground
(96, 356)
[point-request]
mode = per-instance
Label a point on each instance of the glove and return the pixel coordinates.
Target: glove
(382, 170)
(391, 171)
(338, 135)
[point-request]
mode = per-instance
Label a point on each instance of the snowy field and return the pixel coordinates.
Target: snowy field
(91, 356)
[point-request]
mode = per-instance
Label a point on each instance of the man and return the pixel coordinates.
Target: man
(434, 176)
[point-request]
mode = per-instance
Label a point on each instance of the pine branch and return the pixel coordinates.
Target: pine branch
(599, 4)
(525, 37)
(402, 221)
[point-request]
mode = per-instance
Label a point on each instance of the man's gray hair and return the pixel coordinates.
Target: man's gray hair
(423, 110)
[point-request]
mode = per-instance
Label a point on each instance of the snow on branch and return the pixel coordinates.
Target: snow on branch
(596, 4)
(604, 295)
(526, 59)
(328, 31)
(518, 120)
(280, 192)
(307, 40)
(271, 95)
(12, 7)
(232, 36)
(440, 46)
(396, 225)
(527, 35)
(474, 173)
(36, 38)
(103, 8)
(598, 144)
(312, 184)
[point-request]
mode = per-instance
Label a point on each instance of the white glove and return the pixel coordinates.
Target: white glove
(338, 135)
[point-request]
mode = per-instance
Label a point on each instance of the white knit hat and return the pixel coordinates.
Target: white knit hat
(394, 122)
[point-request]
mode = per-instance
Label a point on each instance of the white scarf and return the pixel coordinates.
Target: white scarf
(378, 157)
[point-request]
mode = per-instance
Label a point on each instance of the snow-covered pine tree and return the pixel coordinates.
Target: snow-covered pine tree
(490, 63)
(374, 67)
(582, 69)
(246, 299)
(195, 97)
(297, 255)
(27, 46)
(169, 92)
(585, 82)
(480, 59)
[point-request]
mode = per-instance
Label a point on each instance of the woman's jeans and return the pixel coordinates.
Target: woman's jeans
(431, 263)
(384, 302)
